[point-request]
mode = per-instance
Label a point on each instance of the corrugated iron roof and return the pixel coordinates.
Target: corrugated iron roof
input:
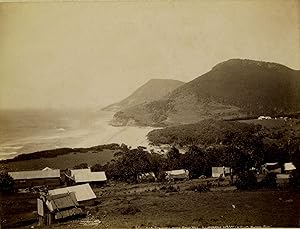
(90, 177)
(79, 171)
(36, 174)
(177, 172)
(82, 192)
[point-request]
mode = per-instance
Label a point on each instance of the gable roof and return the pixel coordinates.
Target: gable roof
(177, 172)
(79, 171)
(61, 201)
(289, 166)
(90, 177)
(82, 192)
(36, 174)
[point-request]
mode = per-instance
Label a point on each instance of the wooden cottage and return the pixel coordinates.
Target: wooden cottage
(58, 207)
(82, 176)
(83, 193)
(28, 179)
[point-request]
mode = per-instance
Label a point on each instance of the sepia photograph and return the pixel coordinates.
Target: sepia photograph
(149, 114)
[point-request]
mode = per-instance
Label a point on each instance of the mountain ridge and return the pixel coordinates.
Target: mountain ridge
(232, 89)
(153, 89)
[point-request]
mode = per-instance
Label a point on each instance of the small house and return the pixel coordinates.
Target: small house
(54, 208)
(83, 193)
(220, 171)
(82, 176)
(180, 174)
(28, 179)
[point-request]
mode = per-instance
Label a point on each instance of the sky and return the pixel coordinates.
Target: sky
(91, 54)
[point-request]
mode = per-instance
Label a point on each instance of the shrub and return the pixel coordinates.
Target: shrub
(169, 188)
(198, 188)
(246, 181)
(269, 181)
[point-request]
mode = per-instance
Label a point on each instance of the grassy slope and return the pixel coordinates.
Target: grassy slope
(183, 208)
(235, 88)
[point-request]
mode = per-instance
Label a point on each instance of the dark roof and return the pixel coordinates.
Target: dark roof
(61, 201)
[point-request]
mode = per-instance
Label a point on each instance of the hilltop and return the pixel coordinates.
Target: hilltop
(236, 88)
(154, 89)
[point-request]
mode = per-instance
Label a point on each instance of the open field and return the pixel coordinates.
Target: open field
(122, 205)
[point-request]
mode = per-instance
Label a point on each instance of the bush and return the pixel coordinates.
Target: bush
(269, 181)
(169, 188)
(198, 188)
(6, 182)
(246, 181)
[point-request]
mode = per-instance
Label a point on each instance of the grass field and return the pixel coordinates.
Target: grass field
(149, 205)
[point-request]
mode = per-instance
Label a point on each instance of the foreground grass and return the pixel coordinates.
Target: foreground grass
(148, 205)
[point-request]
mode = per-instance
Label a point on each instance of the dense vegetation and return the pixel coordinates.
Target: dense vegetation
(6, 182)
(232, 89)
(61, 151)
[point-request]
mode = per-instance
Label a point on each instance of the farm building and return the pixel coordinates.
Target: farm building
(83, 193)
(25, 179)
(220, 171)
(180, 174)
(53, 208)
(74, 172)
(81, 176)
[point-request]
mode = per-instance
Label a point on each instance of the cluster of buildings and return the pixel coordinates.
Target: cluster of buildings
(55, 203)
(75, 190)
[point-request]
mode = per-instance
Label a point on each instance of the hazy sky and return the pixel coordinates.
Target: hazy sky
(95, 53)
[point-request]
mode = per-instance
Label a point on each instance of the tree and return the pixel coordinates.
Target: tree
(6, 182)
(196, 161)
(174, 159)
(129, 164)
(81, 166)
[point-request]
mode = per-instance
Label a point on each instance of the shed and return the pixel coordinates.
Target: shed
(289, 167)
(180, 174)
(25, 179)
(91, 177)
(52, 208)
(80, 176)
(83, 193)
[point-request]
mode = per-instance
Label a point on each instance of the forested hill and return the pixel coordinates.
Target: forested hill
(234, 88)
(154, 89)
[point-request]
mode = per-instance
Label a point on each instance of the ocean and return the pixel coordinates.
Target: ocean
(26, 131)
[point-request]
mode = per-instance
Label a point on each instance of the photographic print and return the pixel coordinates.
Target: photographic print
(150, 114)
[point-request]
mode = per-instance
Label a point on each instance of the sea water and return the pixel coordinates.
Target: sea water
(26, 131)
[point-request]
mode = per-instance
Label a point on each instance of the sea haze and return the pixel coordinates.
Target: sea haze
(26, 131)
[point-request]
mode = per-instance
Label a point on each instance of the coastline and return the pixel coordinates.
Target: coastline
(76, 135)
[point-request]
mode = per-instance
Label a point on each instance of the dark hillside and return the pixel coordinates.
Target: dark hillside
(233, 89)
